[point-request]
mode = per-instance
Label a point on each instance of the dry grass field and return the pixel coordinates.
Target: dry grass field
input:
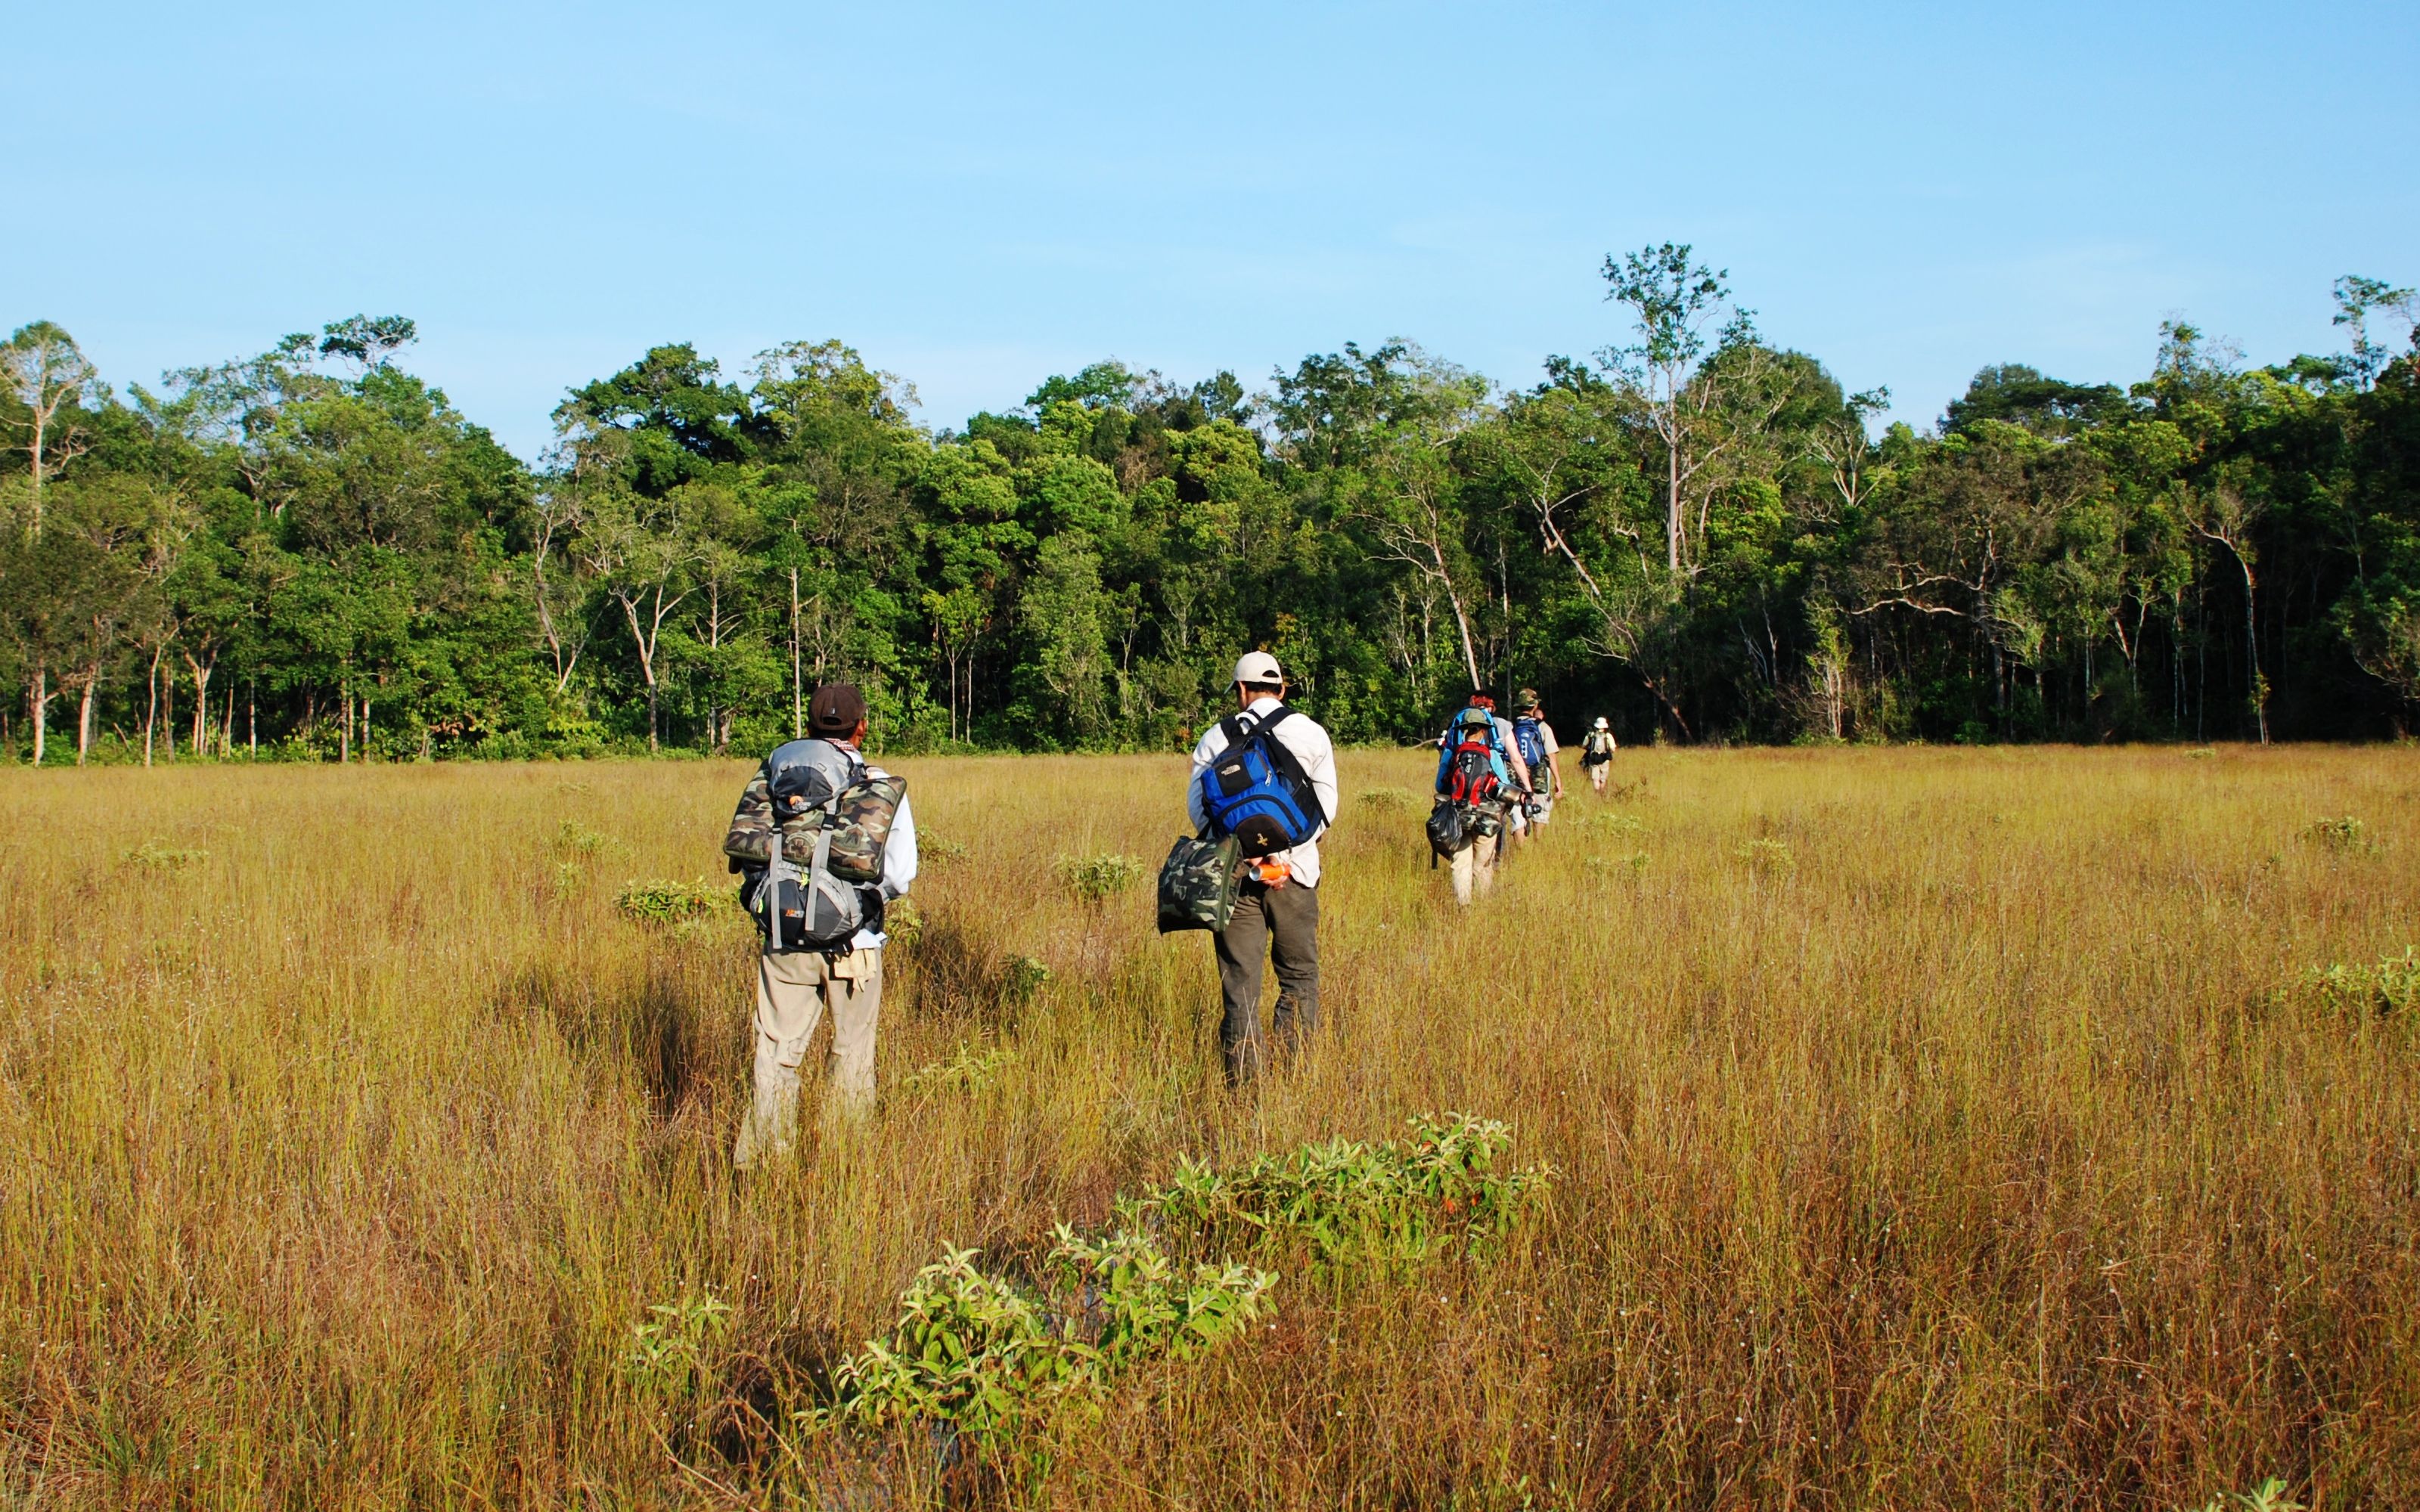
(1935, 1129)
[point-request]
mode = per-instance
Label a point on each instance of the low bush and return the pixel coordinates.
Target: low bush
(1093, 879)
(671, 902)
(1355, 1199)
(2389, 988)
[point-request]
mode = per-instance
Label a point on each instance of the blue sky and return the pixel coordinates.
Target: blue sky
(977, 196)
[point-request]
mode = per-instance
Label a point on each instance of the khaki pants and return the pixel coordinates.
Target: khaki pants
(1473, 868)
(1598, 773)
(793, 989)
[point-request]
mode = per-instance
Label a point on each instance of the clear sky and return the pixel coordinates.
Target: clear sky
(977, 196)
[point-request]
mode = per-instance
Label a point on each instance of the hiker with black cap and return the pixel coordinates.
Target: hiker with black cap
(824, 841)
(1265, 775)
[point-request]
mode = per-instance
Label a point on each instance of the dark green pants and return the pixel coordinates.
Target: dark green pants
(1284, 923)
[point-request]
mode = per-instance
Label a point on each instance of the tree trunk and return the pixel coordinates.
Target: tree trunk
(201, 701)
(652, 745)
(168, 719)
(150, 707)
(798, 696)
(1672, 492)
(345, 736)
(2252, 647)
(38, 700)
(83, 714)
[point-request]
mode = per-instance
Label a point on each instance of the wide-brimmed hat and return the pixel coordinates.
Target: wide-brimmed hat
(1600, 721)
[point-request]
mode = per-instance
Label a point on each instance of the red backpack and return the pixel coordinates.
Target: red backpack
(1470, 776)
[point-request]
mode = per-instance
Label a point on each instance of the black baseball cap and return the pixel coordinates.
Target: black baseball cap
(835, 709)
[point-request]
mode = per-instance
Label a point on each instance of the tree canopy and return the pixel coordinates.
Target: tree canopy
(310, 552)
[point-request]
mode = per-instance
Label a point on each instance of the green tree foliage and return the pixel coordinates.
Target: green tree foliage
(1702, 535)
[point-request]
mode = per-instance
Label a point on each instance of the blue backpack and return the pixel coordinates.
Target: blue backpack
(1256, 791)
(1532, 741)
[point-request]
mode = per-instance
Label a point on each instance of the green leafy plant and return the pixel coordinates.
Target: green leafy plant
(970, 1070)
(1770, 856)
(158, 857)
(671, 1355)
(2345, 836)
(1354, 1199)
(671, 902)
(1389, 800)
(1022, 977)
(1095, 879)
(932, 850)
(2389, 988)
(1623, 825)
(2269, 1496)
(987, 1356)
(903, 922)
(572, 839)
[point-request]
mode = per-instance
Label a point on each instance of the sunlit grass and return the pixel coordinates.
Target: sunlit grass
(1932, 1129)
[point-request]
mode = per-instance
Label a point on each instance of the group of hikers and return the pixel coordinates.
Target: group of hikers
(824, 841)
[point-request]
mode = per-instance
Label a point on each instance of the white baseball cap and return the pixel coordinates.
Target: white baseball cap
(1258, 667)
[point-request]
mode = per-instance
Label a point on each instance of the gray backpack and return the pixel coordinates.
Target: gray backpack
(822, 797)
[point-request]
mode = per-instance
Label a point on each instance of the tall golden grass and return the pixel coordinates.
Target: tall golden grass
(1936, 1128)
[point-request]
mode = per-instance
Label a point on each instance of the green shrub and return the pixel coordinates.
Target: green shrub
(1385, 801)
(671, 902)
(932, 850)
(1093, 879)
(1021, 978)
(987, 1356)
(2347, 835)
(1356, 1199)
(2388, 988)
(161, 857)
(969, 1071)
(1770, 856)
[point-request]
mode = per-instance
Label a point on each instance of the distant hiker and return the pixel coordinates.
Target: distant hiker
(823, 843)
(1597, 753)
(1534, 739)
(1266, 776)
(1479, 785)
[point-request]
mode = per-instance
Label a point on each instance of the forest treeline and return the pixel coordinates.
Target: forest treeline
(311, 553)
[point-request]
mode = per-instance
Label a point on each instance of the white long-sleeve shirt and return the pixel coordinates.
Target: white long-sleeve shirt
(898, 865)
(1312, 751)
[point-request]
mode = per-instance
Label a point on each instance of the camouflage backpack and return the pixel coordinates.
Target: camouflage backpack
(816, 888)
(1197, 884)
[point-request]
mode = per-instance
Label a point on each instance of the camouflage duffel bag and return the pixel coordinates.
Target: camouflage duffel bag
(1197, 884)
(859, 823)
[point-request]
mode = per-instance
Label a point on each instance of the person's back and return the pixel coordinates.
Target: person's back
(1487, 806)
(1597, 753)
(1277, 906)
(825, 786)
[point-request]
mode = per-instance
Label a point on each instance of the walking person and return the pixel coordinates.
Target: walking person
(824, 935)
(1266, 774)
(1534, 739)
(1597, 753)
(1477, 766)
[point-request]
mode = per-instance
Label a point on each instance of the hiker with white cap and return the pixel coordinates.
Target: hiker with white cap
(1265, 775)
(1597, 753)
